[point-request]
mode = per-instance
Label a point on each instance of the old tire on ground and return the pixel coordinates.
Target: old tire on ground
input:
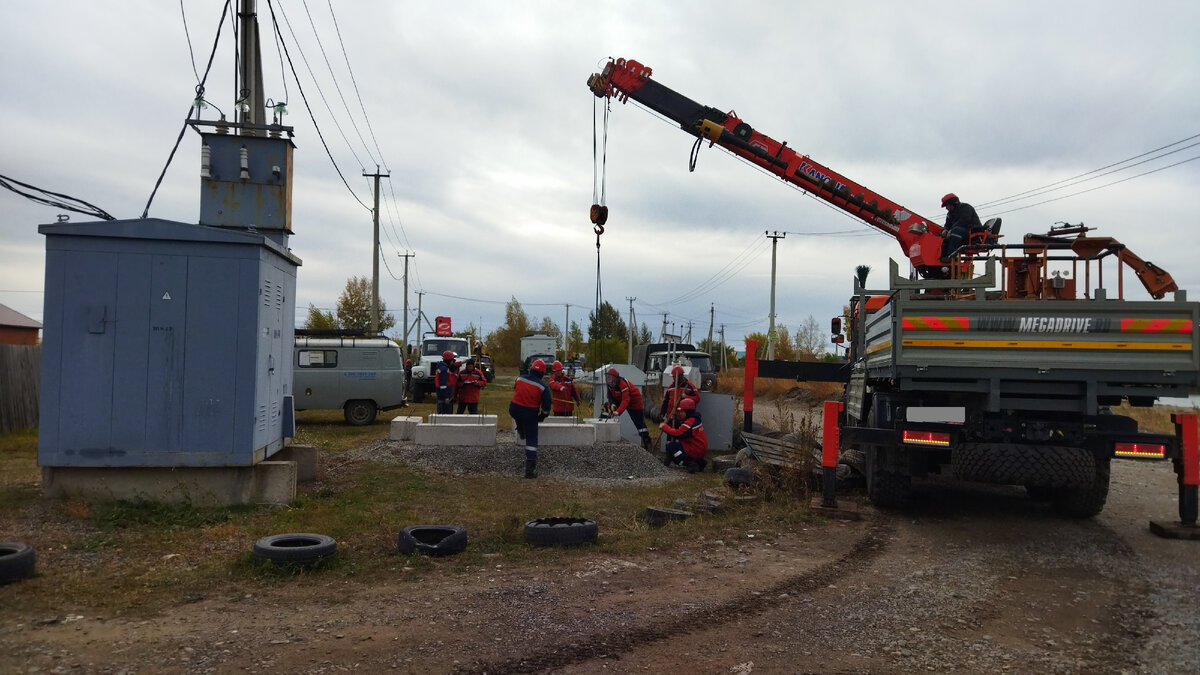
(738, 477)
(360, 412)
(1023, 464)
(16, 561)
(561, 531)
(657, 517)
(886, 489)
(700, 505)
(1088, 500)
(434, 540)
(299, 548)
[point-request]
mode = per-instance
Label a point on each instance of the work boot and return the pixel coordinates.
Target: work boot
(531, 468)
(646, 444)
(666, 458)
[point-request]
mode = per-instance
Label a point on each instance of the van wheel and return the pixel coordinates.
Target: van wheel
(360, 413)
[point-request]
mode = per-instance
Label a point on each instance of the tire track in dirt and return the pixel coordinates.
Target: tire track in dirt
(861, 554)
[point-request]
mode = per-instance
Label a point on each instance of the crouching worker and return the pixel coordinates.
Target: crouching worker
(688, 443)
(624, 397)
(530, 405)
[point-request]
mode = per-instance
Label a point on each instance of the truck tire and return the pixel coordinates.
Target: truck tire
(1023, 464)
(433, 540)
(561, 531)
(886, 489)
(418, 392)
(360, 412)
(1088, 500)
(299, 549)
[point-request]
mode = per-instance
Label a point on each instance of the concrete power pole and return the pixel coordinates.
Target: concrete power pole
(712, 312)
(724, 350)
(771, 331)
(632, 330)
(406, 256)
(375, 257)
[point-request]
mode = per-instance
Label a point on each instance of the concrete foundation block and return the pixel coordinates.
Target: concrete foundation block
(463, 419)
(455, 434)
(607, 431)
(305, 457)
(403, 428)
(566, 434)
(271, 482)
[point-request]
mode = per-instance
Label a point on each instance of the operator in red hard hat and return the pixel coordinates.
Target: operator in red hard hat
(681, 389)
(447, 382)
(470, 382)
(563, 391)
(530, 405)
(623, 396)
(688, 443)
(961, 221)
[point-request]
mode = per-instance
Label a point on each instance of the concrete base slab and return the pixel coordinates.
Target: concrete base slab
(463, 419)
(843, 511)
(566, 434)
(1175, 530)
(607, 431)
(403, 428)
(270, 482)
(455, 434)
(305, 457)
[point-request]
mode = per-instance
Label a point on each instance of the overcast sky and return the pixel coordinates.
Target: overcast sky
(481, 114)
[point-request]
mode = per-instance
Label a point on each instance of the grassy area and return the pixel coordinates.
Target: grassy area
(135, 558)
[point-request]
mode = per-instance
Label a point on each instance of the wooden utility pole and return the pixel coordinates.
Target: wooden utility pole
(375, 256)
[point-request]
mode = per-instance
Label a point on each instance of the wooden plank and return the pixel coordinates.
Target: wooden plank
(772, 450)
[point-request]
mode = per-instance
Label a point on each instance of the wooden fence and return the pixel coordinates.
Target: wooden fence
(20, 386)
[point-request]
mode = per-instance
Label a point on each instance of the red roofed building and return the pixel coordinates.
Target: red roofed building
(16, 328)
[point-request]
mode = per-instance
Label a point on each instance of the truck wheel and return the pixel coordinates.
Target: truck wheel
(1023, 464)
(418, 392)
(886, 489)
(360, 413)
(1086, 501)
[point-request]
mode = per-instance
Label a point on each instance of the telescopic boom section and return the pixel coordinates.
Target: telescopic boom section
(625, 79)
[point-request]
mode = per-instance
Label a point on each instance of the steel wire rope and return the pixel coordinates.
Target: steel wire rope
(91, 210)
(1088, 173)
(192, 104)
(396, 202)
(1098, 187)
(722, 275)
(188, 35)
(316, 84)
(303, 97)
(333, 76)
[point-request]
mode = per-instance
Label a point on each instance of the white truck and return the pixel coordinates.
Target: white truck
(537, 346)
(432, 347)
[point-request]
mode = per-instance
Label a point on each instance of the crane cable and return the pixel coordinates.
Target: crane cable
(599, 211)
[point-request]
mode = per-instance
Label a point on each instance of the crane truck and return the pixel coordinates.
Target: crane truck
(1008, 377)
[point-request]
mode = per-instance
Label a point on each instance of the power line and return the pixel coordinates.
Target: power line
(86, 208)
(188, 35)
(354, 82)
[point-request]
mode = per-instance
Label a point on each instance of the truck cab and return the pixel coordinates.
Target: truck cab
(432, 347)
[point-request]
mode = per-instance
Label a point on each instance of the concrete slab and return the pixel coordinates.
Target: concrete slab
(463, 419)
(455, 434)
(305, 457)
(403, 428)
(264, 483)
(607, 431)
(576, 435)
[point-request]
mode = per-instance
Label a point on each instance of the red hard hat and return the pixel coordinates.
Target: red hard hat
(538, 365)
(677, 370)
(448, 355)
(687, 404)
(556, 366)
(408, 362)
(614, 372)
(950, 197)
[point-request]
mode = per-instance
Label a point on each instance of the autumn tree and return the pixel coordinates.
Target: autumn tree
(606, 323)
(354, 307)
(811, 339)
(504, 343)
(318, 320)
(575, 343)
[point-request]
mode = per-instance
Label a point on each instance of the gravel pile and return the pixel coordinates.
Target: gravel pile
(598, 463)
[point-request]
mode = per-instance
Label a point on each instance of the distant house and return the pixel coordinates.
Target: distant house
(16, 328)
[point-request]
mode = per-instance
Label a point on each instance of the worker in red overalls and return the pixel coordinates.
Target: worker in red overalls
(563, 392)
(624, 397)
(688, 443)
(530, 405)
(470, 381)
(681, 388)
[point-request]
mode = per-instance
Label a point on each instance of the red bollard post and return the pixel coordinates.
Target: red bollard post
(751, 373)
(830, 440)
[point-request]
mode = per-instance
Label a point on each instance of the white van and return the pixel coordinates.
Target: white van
(359, 376)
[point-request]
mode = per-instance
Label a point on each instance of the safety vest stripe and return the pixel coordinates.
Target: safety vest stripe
(1051, 344)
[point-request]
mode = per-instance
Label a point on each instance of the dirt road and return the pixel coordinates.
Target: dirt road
(974, 579)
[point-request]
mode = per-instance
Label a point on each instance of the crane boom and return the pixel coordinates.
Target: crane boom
(624, 79)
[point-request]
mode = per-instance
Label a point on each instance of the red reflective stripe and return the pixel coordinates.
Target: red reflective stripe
(830, 435)
(1186, 430)
(1156, 325)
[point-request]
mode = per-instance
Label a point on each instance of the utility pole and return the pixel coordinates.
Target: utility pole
(406, 256)
(420, 297)
(632, 330)
(662, 334)
(724, 350)
(375, 256)
(251, 108)
(566, 334)
(771, 331)
(711, 315)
